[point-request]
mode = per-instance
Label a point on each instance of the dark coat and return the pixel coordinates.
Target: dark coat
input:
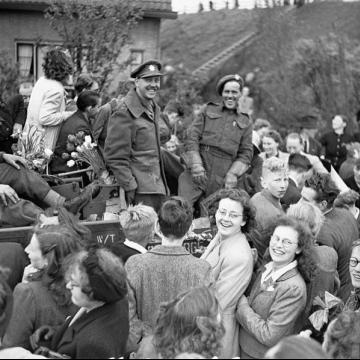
(13, 257)
(292, 195)
(132, 147)
(11, 113)
(34, 306)
(77, 122)
(314, 147)
(101, 333)
(122, 251)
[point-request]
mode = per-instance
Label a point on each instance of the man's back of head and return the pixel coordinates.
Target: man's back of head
(321, 191)
(175, 218)
(299, 163)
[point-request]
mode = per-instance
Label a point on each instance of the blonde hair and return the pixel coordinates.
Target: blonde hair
(274, 165)
(138, 223)
(309, 214)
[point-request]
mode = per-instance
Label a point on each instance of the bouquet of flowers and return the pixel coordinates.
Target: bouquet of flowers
(82, 150)
(30, 146)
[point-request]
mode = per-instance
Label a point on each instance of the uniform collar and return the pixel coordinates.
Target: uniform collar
(236, 111)
(134, 103)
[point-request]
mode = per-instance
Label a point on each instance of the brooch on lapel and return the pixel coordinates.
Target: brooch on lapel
(268, 285)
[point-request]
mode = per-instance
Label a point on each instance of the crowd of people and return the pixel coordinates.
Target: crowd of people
(280, 277)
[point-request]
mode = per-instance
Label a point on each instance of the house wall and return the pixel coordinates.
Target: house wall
(31, 26)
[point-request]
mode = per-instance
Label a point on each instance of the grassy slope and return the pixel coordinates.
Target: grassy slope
(194, 39)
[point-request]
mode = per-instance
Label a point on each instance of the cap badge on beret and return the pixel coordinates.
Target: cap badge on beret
(152, 68)
(237, 77)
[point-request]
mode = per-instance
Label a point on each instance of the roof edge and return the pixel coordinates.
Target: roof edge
(11, 5)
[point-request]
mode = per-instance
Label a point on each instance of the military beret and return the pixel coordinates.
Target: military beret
(147, 69)
(227, 78)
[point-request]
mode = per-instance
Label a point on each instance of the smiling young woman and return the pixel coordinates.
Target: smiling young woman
(231, 259)
(279, 294)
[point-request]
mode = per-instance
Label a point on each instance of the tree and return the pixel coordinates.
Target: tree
(95, 32)
(9, 76)
(182, 87)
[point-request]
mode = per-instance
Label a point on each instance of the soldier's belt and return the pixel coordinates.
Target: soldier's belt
(213, 150)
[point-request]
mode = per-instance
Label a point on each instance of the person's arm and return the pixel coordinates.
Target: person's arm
(194, 133)
(137, 328)
(243, 159)
(50, 114)
(101, 121)
(284, 311)
(22, 321)
(118, 148)
(234, 278)
(19, 111)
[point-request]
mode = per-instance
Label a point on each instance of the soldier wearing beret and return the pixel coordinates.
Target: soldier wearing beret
(219, 145)
(132, 147)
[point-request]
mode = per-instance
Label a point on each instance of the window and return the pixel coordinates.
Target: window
(26, 60)
(137, 58)
(30, 57)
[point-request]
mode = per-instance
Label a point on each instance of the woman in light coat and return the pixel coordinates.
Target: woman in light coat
(278, 296)
(231, 259)
(46, 110)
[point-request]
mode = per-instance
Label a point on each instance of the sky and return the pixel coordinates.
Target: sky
(190, 6)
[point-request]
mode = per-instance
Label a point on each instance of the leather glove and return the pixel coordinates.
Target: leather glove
(42, 334)
(199, 176)
(130, 197)
(231, 181)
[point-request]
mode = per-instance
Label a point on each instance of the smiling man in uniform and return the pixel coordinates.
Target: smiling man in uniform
(132, 148)
(219, 146)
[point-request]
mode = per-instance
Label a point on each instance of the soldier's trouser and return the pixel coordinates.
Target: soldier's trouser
(153, 200)
(173, 169)
(23, 213)
(31, 187)
(26, 183)
(216, 165)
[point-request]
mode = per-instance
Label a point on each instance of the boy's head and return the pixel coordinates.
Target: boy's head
(138, 223)
(275, 177)
(175, 218)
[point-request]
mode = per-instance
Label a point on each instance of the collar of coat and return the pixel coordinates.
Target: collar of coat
(272, 199)
(169, 250)
(288, 275)
(84, 320)
(217, 110)
(134, 105)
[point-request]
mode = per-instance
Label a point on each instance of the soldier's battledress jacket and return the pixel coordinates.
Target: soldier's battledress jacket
(132, 148)
(221, 136)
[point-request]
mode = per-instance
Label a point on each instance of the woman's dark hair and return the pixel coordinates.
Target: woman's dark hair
(57, 65)
(243, 198)
(175, 217)
(56, 243)
(87, 98)
(103, 277)
(69, 220)
(307, 258)
(189, 323)
(273, 134)
(342, 340)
